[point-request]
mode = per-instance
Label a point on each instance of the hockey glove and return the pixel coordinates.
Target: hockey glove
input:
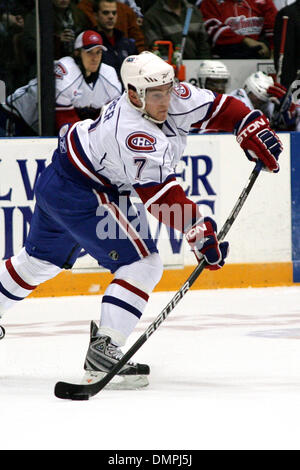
(202, 238)
(285, 110)
(258, 140)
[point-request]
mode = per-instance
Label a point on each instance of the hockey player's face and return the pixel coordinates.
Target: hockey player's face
(257, 103)
(217, 85)
(91, 59)
(158, 100)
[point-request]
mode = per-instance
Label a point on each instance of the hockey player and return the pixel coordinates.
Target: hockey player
(83, 85)
(213, 75)
(258, 92)
(19, 113)
(261, 92)
(83, 198)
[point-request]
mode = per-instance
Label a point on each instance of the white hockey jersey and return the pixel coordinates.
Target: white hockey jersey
(129, 150)
(24, 103)
(125, 149)
(72, 91)
(241, 95)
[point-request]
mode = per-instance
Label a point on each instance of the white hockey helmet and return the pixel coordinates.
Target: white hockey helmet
(143, 71)
(212, 69)
(258, 83)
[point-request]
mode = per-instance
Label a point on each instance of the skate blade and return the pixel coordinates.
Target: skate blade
(119, 382)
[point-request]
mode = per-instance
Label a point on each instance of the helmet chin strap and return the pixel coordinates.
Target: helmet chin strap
(150, 118)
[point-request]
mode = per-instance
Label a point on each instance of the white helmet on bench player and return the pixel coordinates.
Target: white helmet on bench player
(258, 83)
(213, 71)
(144, 71)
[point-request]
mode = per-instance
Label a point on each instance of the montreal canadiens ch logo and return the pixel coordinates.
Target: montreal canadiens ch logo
(59, 71)
(141, 142)
(182, 91)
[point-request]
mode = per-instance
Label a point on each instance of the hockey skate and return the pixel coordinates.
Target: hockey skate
(102, 355)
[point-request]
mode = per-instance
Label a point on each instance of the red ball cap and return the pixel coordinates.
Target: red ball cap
(89, 40)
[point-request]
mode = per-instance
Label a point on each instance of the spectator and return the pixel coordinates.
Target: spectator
(69, 21)
(291, 62)
(137, 10)
(118, 46)
(11, 59)
(164, 21)
(144, 5)
(83, 85)
(240, 29)
(126, 20)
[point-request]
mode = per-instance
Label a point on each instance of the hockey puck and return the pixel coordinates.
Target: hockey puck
(2, 332)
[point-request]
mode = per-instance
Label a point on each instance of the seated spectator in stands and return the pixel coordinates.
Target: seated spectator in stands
(137, 10)
(126, 21)
(130, 24)
(165, 20)
(118, 46)
(144, 5)
(291, 61)
(240, 29)
(11, 29)
(83, 85)
(69, 21)
(24, 5)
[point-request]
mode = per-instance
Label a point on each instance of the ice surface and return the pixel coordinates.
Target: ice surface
(225, 374)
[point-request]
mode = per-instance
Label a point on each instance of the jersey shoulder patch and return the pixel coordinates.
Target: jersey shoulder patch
(60, 70)
(66, 69)
(240, 93)
(182, 91)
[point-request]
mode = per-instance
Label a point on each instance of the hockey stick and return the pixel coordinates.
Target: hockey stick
(185, 31)
(84, 392)
(282, 47)
(276, 117)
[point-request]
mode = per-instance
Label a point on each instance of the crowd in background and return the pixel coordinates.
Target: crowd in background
(218, 29)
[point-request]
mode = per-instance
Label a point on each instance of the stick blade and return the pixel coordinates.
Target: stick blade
(69, 391)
